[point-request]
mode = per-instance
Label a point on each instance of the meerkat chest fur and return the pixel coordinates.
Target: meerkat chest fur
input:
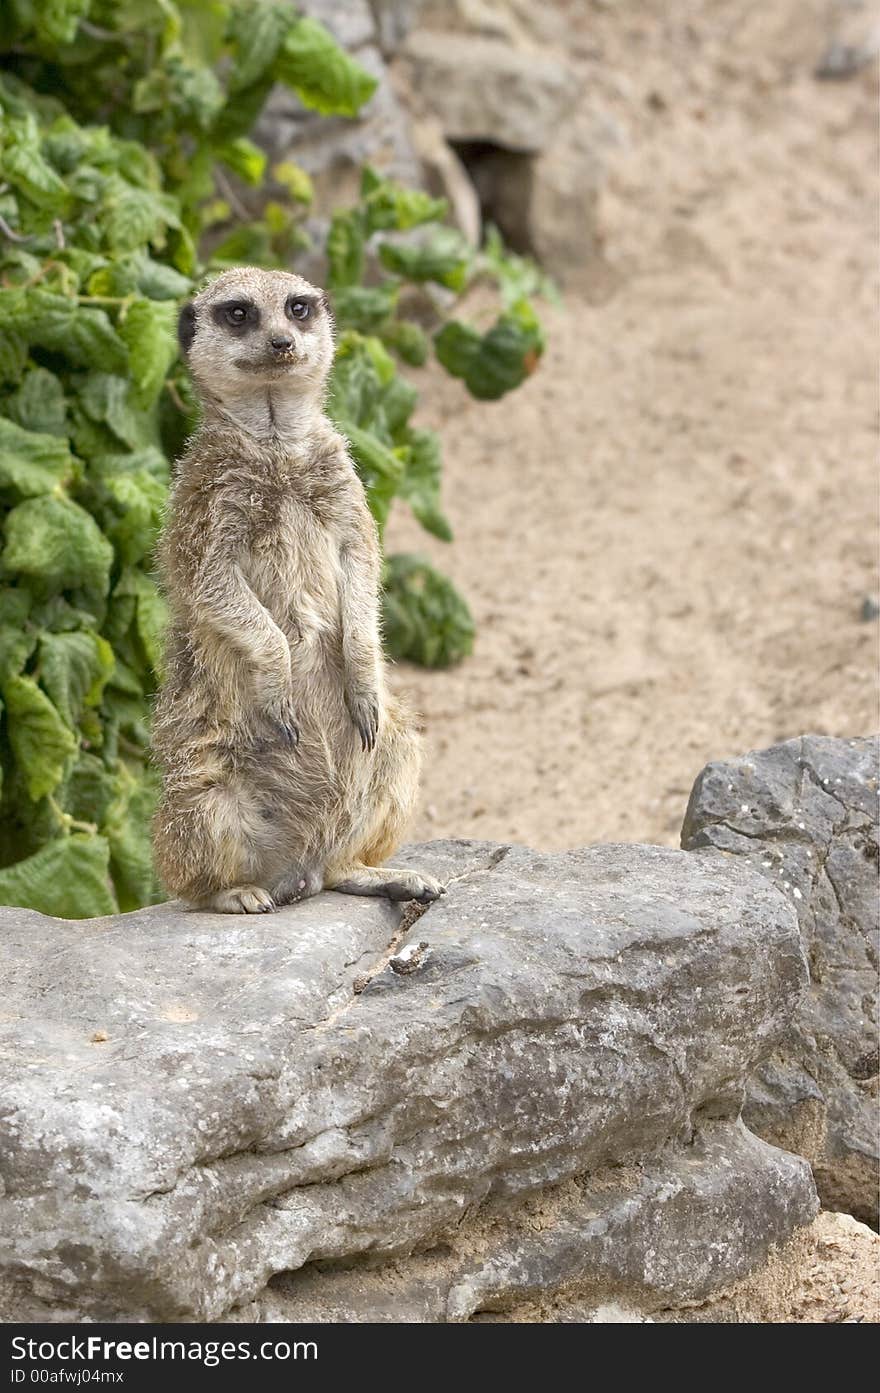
(291, 555)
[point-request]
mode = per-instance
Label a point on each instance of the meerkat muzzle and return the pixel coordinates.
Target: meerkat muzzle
(277, 360)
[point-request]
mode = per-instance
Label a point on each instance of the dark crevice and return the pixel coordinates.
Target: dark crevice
(502, 179)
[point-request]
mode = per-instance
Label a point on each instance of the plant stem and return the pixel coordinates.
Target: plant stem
(71, 824)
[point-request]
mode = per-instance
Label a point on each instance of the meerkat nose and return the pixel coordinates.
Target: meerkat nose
(281, 344)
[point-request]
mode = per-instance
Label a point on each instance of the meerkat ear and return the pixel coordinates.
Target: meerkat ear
(186, 327)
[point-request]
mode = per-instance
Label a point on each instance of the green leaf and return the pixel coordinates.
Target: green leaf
(130, 216)
(15, 605)
(517, 277)
(89, 340)
(322, 74)
(248, 243)
(345, 250)
(22, 165)
(242, 108)
(389, 206)
(113, 279)
(126, 714)
(257, 30)
(39, 404)
(84, 335)
(125, 679)
(59, 616)
(295, 180)
(73, 670)
(182, 251)
(135, 517)
(151, 613)
(15, 649)
(398, 403)
(365, 308)
(444, 256)
(244, 158)
(497, 361)
(379, 468)
(41, 741)
(424, 618)
(380, 359)
(408, 340)
(106, 397)
(131, 853)
(190, 91)
(157, 281)
(120, 611)
(420, 485)
(89, 790)
(81, 262)
(57, 20)
(17, 638)
(13, 355)
(68, 878)
(357, 383)
(57, 545)
(149, 331)
(458, 347)
(371, 181)
(204, 25)
(30, 463)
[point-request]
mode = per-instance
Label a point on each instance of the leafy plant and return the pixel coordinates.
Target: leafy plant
(122, 123)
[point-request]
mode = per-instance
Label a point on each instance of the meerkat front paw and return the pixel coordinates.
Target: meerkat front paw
(363, 707)
(280, 713)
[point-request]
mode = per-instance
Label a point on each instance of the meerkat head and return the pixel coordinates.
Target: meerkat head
(251, 328)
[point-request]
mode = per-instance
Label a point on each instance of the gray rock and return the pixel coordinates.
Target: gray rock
(446, 177)
(352, 23)
(484, 89)
(547, 204)
(495, 19)
(805, 814)
(195, 1103)
(394, 20)
(853, 39)
(694, 1220)
(870, 609)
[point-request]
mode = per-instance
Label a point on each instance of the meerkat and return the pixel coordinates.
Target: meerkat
(288, 766)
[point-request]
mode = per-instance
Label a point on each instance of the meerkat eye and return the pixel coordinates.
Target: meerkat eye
(236, 314)
(300, 309)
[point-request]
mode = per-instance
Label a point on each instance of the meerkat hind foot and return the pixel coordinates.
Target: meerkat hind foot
(391, 882)
(297, 885)
(242, 899)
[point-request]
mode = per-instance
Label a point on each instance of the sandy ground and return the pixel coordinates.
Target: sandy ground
(667, 535)
(838, 1281)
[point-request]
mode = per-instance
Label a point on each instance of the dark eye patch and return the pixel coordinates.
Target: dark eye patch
(238, 315)
(301, 308)
(186, 327)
